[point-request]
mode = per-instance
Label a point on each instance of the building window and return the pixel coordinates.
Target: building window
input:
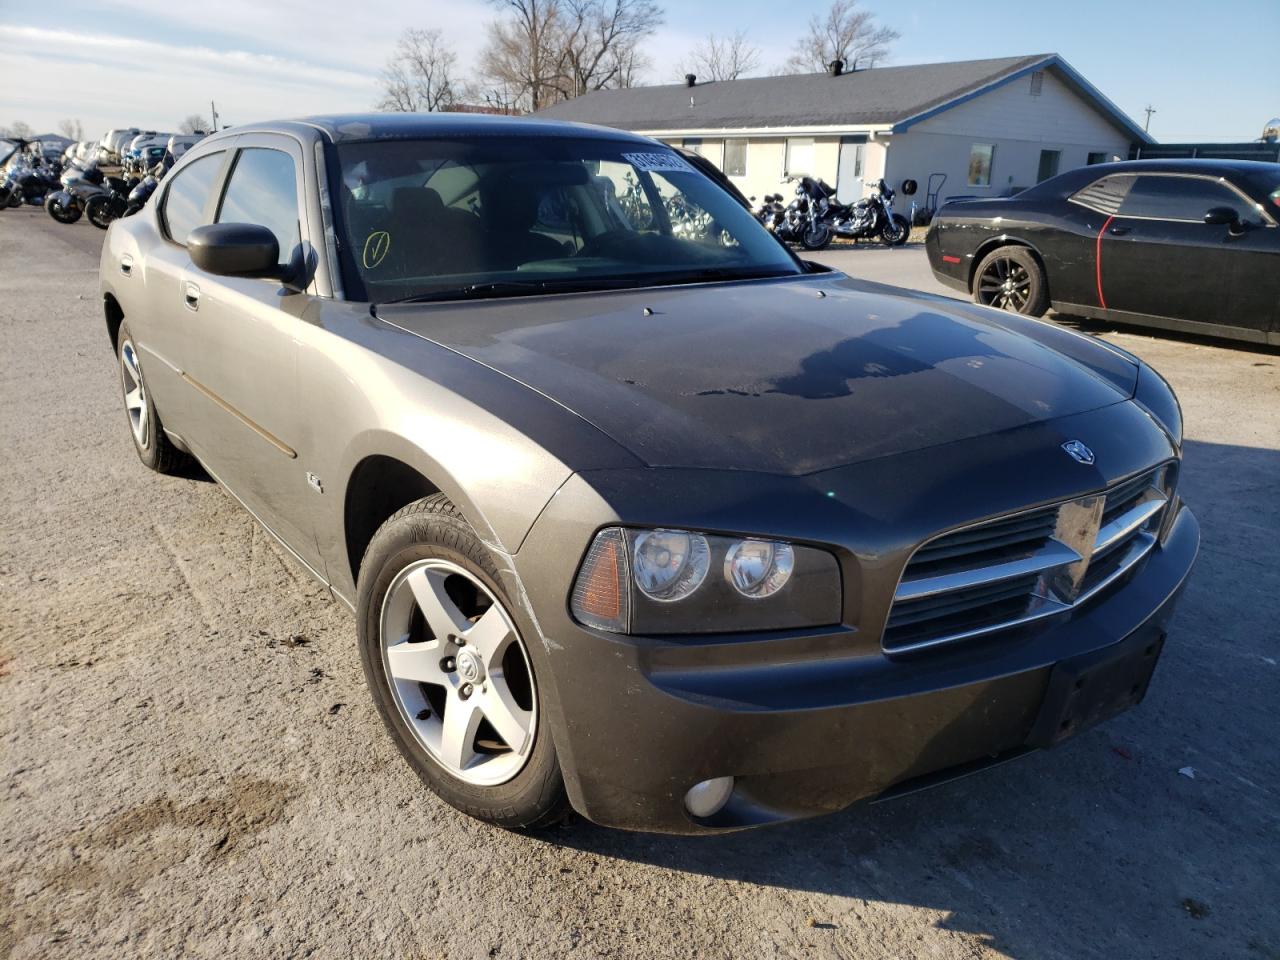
(1048, 164)
(1037, 82)
(980, 157)
(693, 145)
(735, 158)
(799, 158)
(1097, 156)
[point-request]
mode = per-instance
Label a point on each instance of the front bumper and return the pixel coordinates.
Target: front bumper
(809, 722)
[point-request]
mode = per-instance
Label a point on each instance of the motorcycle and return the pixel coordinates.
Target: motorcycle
(801, 221)
(28, 181)
(870, 217)
(123, 199)
(79, 186)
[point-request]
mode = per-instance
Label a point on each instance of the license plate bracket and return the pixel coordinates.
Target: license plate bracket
(1085, 690)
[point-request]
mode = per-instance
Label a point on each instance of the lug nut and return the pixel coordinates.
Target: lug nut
(448, 664)
(424, 713)
(465, 691)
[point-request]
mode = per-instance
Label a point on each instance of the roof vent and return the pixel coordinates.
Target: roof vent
(835, 67)
(690, 79)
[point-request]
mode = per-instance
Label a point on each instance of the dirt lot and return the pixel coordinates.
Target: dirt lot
(190, 766)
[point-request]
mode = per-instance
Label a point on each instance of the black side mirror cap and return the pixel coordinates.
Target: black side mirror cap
(236, 250)
(1221, 216)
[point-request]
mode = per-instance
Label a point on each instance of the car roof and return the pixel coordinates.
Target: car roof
(340, 128)
(1187, 165)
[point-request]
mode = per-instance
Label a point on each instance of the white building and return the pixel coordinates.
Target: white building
(989, 126)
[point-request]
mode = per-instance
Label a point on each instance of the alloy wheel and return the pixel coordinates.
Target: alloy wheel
(458, 672)
(1006, 285)
(135, 393)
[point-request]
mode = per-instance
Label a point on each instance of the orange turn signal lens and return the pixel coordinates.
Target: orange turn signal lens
(600, 595)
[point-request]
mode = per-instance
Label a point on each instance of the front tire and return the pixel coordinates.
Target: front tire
(155, 450)
(1011, 278)
(63, 214)
(450, 673)
(817, 236)
(896, 231)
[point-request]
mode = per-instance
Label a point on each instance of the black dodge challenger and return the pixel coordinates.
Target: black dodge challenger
(1188, 245)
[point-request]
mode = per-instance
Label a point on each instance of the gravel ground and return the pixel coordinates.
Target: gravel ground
(190, 766)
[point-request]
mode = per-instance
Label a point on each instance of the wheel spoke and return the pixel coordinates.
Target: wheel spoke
(133, 399)
(507, 717)
(490, 636)
(142, 425)
(416, 661)
(458, 732)
(441, 613)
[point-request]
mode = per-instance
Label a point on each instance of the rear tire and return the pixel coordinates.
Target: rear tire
(424, 572)
(155, 450)
(1011, 278)
(98, 210)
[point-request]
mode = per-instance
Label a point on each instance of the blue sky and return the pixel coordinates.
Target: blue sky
(1209, 70)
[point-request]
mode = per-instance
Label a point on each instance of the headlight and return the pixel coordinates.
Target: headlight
(670, 564)
(759, 568)
(681, 581)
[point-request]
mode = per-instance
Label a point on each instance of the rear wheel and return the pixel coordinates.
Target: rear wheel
(1010, 278)
(449, 671)
(100, 211)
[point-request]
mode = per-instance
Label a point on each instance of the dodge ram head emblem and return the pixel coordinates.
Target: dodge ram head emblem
(1079, 452)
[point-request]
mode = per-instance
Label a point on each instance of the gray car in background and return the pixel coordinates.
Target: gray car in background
(636, 512)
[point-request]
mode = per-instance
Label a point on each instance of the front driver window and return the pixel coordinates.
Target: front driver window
(187, 196)
(1182, 198)
(263, 190)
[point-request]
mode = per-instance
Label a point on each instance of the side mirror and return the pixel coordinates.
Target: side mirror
(1221, 216)
(236, 250)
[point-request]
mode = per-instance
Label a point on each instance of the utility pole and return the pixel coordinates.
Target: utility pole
(1146, 127)
(214, 111)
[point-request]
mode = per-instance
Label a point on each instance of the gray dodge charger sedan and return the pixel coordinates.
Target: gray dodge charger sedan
(637, 513)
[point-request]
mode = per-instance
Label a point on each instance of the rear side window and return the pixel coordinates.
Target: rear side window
(263, 189)
(187, 196)
(1181, 198)
(1105, 195)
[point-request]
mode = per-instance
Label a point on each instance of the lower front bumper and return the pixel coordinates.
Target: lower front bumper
(805, 737)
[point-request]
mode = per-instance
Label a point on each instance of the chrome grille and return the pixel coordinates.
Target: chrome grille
(1018, 569)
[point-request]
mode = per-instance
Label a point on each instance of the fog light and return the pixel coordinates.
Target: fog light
(708, 798)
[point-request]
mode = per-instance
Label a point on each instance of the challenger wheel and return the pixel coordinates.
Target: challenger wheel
(1010, 278)
(155, 449)
(449, 671)
(895, 232)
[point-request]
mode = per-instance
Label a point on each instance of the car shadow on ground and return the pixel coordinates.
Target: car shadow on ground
(1138, 838)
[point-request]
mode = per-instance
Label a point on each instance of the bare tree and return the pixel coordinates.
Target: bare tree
(722, 58)
(18, 131)
(543, 51)
(194, 123)
(71, 129)
(419, 77)
(846, 32)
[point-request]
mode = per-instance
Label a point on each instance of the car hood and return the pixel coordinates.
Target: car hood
(783, 376)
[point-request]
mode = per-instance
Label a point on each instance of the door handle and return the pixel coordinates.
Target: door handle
(191, 294)
(1119, 231)
(126, 265)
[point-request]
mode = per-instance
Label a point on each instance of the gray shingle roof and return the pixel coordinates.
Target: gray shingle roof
(875, 96)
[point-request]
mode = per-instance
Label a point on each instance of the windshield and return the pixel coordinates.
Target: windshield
(506, 216)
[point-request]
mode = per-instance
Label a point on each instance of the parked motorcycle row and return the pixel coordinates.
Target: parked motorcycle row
(815, 217)
(72, 184)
